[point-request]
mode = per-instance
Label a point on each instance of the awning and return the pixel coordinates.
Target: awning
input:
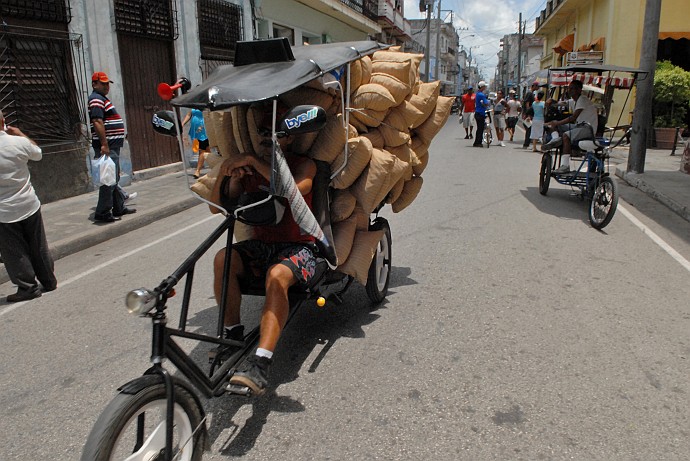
(565, 44)
(564, 78)
(595, 45)
(674, 35)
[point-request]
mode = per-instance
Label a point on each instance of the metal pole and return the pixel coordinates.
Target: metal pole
(437, 53)
(428, 41)
(519, 78)
(642, 117)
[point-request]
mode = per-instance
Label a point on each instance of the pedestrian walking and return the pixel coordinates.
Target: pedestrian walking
(23, 243)
(107, 137)
(197, 133)
(526, 112)
(513, 112)
(481, 104)
(500, 117)
(537, 130)
(468, 111)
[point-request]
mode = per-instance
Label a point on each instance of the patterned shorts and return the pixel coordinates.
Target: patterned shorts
(258, 256)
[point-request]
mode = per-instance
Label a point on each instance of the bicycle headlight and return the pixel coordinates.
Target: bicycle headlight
(140, 301)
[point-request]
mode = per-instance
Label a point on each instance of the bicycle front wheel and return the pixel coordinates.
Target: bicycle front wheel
(487, 138)
(604, 203)
(132, 427)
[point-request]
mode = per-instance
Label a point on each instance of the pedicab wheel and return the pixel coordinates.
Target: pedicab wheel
(380, 269)
(604, 203)
(545, 173)
(133, 427)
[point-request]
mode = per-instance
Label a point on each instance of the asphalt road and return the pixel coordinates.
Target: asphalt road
(512, 330)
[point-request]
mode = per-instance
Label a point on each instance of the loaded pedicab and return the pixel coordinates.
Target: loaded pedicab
(589, 140)
(360, 111)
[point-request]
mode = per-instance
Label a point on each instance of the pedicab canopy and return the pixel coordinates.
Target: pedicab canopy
(375, 147)
(278, 70)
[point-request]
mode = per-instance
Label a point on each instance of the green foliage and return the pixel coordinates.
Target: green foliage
(671, 95)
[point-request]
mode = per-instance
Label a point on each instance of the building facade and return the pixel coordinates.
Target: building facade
(51, 48)
(443, 53)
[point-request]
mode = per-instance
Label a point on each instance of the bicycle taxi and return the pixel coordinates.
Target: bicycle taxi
(158, 415)
(590, 178)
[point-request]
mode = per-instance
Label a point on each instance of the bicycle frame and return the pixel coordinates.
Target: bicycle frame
(583, 180)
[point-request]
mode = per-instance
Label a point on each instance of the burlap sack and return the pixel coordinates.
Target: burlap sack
(359, 151)
(303, 142)
(305, 95)
(254, 118)
(408, 113)
(425, 100)
(201, 189)
(204, 185)
(372, 96)
(393, 136)
(221, 122)
(419, 146)
(399, 70)
(375, 137)
(395, 192)
(213, 159)
(240, 129)
(430, 128)
(366, 70)
(397, 88)
(355, 76)
(369, 117)
(391, 56)
(362, 217)
(342, 205)
(359, 126)
(423, 162)
(344, 237)
(409, 193)
(210, 121)
(243, 232)
(370, 188)
(404, 153)
(361, 255)
(330, 141)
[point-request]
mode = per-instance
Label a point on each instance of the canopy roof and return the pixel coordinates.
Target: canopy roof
(229, 85)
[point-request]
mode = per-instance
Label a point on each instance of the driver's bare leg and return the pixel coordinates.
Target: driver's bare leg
(232, 309)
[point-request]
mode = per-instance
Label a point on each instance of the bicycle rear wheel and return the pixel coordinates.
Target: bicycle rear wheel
(132, 427)
(604, 203)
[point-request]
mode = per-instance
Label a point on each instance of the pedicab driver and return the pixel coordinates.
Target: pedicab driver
(281, 252)
(584, 112)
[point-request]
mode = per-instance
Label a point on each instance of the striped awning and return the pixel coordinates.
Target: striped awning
(563, 79)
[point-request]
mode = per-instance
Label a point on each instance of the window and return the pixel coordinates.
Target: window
(282, 31)
(220, 28)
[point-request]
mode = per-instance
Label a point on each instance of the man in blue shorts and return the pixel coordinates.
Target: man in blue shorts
(280, 253)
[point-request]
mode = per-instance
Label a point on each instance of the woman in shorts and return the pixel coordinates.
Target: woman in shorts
(499, 117)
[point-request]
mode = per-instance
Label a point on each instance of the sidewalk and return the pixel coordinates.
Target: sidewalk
(70, 227)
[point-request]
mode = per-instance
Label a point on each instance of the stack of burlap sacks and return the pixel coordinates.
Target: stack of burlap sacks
(393, 120)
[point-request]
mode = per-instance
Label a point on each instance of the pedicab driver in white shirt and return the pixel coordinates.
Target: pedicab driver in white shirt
(584, 112)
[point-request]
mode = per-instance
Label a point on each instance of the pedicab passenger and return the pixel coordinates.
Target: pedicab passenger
(584, 111)
(280, 253)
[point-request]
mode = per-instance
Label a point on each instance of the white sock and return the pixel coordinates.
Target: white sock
(264, 353)
(565, 161)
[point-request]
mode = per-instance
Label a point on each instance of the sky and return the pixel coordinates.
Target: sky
(487, 20)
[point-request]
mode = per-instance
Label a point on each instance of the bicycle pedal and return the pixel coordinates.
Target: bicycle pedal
(239, 390)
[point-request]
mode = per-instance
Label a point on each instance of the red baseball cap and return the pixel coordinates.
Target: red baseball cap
(100, 77)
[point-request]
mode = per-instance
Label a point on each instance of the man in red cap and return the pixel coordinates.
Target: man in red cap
(107, 137)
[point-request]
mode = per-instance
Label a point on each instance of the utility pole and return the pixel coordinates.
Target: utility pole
(428, 39)
(437, 53)
(642, 117)
(519, 56)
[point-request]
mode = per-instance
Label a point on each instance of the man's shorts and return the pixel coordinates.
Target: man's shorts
(578, 133)
(467, 119)
(511, 122)
(500, 121)
(258, 256)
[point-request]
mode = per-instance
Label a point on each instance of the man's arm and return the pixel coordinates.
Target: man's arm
(233, 190)
(99, 127)
(570, 119)
(35, 152)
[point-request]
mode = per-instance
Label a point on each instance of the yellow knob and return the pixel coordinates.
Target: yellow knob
(321, 301)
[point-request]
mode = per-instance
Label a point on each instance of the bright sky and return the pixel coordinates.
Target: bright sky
(487, 20)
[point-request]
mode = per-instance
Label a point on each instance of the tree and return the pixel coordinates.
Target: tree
(671, 95)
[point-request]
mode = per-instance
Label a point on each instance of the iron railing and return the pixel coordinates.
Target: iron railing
(40, 10)
(147, 18)
(220, 28)
(42, 72)
(368, 8)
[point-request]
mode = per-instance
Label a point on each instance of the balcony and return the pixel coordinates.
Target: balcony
(553, 15)
(360, 14)
(391, 19)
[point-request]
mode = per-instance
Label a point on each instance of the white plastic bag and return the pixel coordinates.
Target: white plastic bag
(103, 171)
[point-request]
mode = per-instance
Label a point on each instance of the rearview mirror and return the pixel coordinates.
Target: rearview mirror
(303, 119)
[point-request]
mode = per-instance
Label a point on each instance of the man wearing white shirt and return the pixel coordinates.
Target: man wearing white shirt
(584, 112)
(23, 243)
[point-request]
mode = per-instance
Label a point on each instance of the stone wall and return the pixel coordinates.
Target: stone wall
(685, 160)
(61, 173)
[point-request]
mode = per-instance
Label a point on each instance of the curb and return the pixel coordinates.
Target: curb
(637, 181)
(100, 234)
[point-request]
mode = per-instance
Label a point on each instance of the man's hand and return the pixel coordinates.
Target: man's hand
(238, 168)
(105, 149)
(14, 131)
